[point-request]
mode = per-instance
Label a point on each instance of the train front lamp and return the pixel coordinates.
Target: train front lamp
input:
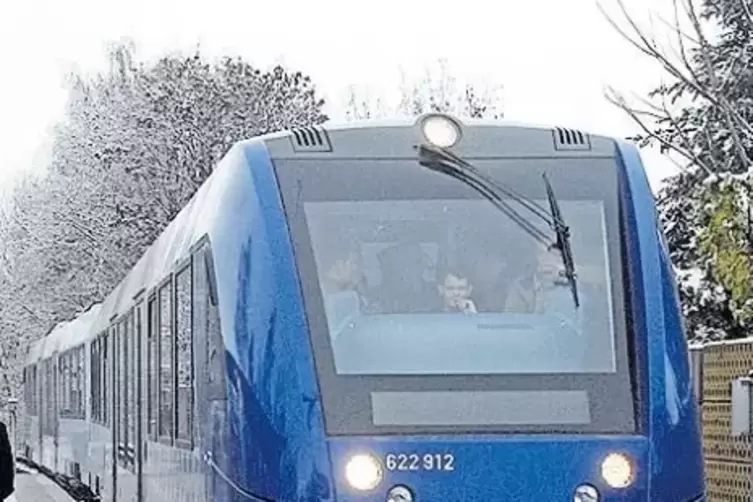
(440, 130)
(617, 470)
(364, 472)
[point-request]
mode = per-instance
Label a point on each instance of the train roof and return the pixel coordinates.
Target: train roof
(479, 138)
(77, 331)
(65, 335)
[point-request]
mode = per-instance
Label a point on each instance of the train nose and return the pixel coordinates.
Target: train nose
(498, 470)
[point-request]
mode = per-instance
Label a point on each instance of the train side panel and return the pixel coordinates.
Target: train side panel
(676, 456)
(275, 443)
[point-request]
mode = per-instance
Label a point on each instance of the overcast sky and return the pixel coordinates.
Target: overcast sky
(553, 57)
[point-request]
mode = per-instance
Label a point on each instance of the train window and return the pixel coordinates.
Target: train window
(75, 382)
(184, 360)
(130, 386)
(62, 390)
(69, 379)
(105, 378)
(120, 367)
(36, 392)
(73, 374)
(34, 409)
(65, 371)
(70, 383)
(152, 358)
(207, 324)
(94, 379)
(167, 380)
(135, 324)
(80, 383)
(101, 372)
(432, 254)
(32, 392)
(49, 397)
(27, 390)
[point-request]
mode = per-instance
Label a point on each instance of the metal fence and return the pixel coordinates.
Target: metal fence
(727, 457)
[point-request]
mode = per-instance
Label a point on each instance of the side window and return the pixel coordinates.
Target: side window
(152, 359)
(135, 324)
(74, 381)
(81, 381)
(64, 393)
(49, 396)
(130, 386)
(71, 382)
(120, 357)
(94, 375)
(184, 359)
(167, 380)
(206, 322)
(106, 398)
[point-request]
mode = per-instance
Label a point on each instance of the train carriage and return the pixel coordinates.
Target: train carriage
(422, 311)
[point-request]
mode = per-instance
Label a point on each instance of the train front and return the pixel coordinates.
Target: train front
(476, 300)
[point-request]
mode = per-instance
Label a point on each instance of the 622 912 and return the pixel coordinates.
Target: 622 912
(418, 462)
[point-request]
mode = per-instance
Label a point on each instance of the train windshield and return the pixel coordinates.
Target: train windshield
(430, 309)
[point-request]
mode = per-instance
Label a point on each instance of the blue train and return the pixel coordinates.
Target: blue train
(425, 311)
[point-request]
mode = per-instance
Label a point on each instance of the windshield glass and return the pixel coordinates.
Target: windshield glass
(430, 310)
(454, 286)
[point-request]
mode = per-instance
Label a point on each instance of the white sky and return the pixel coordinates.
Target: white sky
(553, 57)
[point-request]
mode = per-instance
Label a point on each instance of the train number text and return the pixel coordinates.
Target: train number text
(417, 462)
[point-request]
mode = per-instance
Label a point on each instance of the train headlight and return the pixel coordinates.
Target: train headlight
(586, 493)
(399, 494)
(617, 470)
(440, 130)
(364, 472)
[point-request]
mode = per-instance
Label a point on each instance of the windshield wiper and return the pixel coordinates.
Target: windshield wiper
(445, 162)
(563, 240)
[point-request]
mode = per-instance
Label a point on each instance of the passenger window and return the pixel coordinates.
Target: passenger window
(105, 379)
(94, 383)
(72, 375)
(207, 323)
(75, 382)
(152, 368)
(166, 364)
(121, 388)
(63, 387)
(123, 384)
(131, 380)
(184, 361)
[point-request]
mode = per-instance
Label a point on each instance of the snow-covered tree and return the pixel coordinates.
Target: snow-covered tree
(703, 116)
(135, 143)
(437, 91)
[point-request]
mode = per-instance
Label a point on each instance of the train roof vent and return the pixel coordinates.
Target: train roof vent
(570, 139)
(310, 139)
